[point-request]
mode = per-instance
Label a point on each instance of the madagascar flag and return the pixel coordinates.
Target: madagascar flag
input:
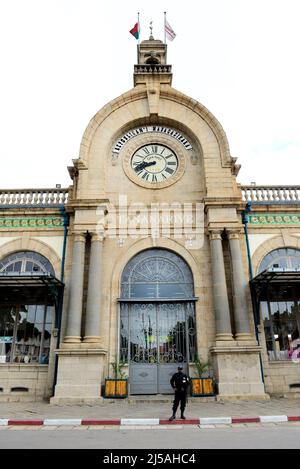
(135, 31)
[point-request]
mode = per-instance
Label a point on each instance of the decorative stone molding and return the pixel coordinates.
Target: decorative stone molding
(236, 349)
(233, 234)
(215, 234)
(72, 339)
(275, 219)
(97, 237)
(81, 237)
(170, 94)
(31, 223)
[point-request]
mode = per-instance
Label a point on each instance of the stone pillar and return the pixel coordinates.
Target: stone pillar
(93, 307)
(223, 324)
(241, 316)
(73, 333)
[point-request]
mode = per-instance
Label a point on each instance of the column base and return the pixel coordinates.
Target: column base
(72, 339)
(238, 373)
(80, 375)
(243, 336)
(224, 337)
(76, 400)
(92, 339)
(242, 397)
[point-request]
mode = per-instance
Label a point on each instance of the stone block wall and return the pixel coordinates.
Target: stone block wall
(30, 377)
(280, 376)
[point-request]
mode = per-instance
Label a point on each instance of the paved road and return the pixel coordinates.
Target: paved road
(255, 436)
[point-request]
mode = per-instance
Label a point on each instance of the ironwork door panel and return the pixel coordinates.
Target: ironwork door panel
(156, 338)
(172, 343)
(143, 348)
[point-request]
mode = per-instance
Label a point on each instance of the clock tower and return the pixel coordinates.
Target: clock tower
(156, 265)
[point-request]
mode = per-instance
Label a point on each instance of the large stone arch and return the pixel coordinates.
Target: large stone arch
(270, 245)
(205, 334)
(30, 244)
(169, 94)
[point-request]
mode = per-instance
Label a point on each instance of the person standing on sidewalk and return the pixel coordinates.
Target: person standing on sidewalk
(179, 383)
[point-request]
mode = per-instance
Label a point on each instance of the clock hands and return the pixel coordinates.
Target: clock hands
(144, 165)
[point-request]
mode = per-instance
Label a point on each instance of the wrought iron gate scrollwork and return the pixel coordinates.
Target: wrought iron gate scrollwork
(161, 333)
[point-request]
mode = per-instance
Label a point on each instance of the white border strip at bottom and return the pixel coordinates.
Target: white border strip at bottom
(73, 422)
(273, 418)
(139, 421)
(215, 420)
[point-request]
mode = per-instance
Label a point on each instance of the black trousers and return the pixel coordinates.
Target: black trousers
(180, 396)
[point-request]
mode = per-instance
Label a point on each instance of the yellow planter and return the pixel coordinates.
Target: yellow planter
(202, 387)
(116, 388)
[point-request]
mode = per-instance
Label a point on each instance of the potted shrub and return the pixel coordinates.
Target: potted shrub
(116, 387)
(202, 385)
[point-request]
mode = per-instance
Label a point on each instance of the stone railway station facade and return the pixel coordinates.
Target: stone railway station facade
(95, 273)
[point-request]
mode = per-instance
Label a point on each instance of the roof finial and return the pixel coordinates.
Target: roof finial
(151, 38)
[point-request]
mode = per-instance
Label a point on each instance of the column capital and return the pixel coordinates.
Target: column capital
(97, 236)
(233, 233)
(215, 234)
(79, 236)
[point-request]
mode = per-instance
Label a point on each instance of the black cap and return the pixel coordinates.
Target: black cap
(180, 368)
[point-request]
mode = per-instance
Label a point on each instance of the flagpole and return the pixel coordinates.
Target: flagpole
(139, 27)
(165, 19)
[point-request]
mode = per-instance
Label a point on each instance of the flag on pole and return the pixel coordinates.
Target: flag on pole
(135, 31)
(169, 32)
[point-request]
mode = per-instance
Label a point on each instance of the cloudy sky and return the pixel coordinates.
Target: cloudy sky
(62, 60)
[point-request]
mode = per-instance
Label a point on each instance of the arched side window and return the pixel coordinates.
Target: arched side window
(26, 261)
(288, 258)
(157, 273)
(25, 330)
(281, 313)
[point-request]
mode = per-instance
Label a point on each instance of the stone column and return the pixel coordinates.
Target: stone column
(223, 324)
(241, 316)
(73, 333)
(93, 307)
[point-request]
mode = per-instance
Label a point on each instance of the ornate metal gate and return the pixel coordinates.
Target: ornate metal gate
(157, 320)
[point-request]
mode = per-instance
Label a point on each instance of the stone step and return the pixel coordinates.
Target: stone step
(165, 399)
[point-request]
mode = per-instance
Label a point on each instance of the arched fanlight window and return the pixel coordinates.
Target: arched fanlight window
(26, 261)
(157, 273)
(288, 258)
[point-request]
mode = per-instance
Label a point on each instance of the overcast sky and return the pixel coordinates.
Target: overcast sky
(62, 60)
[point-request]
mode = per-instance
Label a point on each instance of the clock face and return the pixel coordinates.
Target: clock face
(154, 163)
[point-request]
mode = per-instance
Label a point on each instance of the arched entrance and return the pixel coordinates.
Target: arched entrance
(280, 303)
(26, 315)
(157, 319)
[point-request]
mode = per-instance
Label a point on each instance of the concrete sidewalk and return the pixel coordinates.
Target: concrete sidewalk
(150, 409)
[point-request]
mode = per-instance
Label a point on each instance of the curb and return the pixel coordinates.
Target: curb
(151, 422)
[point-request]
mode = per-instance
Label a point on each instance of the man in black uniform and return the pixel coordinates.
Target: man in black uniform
(179, 382)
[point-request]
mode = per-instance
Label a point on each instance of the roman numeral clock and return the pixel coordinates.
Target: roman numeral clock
(152, 158)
